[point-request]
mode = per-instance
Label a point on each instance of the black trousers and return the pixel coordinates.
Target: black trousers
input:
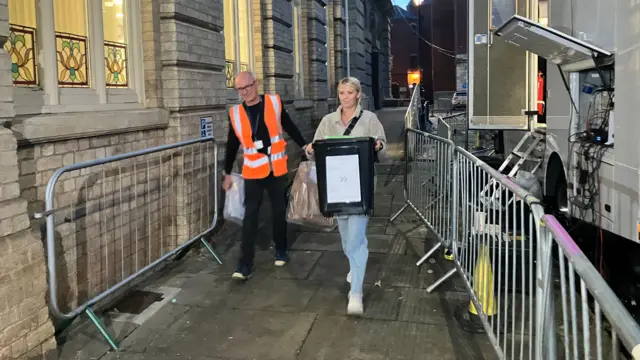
(253, 192)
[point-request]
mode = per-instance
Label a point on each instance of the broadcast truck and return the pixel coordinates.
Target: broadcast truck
(560, 79)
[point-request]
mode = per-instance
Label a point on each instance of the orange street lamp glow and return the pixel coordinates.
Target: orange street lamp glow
(413, 77)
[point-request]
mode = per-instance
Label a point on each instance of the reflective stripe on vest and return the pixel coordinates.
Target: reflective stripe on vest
(257, 165)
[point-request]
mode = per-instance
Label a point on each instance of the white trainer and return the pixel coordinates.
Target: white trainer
(355, 307)
(349, 277)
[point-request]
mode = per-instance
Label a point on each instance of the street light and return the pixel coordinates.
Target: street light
(413, 77)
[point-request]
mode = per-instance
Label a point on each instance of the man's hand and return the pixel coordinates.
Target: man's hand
(227, 182)
(378, 145)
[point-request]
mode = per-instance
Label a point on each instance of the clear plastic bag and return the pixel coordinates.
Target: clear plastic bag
(304, 204)
(234, 201)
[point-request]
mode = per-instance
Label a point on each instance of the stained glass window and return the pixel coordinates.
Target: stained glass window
(70, 18)
(115, 42)
(21, 44)
(230, 40)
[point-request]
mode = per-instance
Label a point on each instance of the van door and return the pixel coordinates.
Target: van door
(501, 76)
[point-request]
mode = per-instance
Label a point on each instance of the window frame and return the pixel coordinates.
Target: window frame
(48, 97)
(298, 58)
(231, 92)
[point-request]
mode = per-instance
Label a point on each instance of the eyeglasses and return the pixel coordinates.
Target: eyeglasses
(245, 88)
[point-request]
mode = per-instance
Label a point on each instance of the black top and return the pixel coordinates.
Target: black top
(259, 129)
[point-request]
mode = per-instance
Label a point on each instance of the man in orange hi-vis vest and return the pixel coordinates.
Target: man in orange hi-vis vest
(257, 124)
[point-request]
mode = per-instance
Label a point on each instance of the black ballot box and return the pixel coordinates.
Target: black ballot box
(345, 168)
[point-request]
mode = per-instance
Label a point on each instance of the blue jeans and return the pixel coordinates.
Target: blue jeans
(353, 231)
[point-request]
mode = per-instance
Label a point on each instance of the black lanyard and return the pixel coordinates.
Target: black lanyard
(256, 125)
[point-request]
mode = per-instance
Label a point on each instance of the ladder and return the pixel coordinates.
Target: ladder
(529, 143)
(533, 138)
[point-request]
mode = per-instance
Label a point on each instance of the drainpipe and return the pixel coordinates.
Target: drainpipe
(348, 49)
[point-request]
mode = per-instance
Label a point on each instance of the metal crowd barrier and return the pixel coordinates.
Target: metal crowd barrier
(412, 117)
(113, 219)
(455, 127)
(427, 183)
(583, 333)
(502, 243)
(494, 244)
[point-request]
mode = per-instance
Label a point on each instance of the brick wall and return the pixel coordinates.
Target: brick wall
(315, 24)
(24, 317)
(359, 52)
(192, 53)
(193, 64)
(25, 328)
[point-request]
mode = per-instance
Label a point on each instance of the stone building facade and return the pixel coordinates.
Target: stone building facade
(126, 75)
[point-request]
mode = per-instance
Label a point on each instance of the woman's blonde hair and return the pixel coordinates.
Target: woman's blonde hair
(351, 81)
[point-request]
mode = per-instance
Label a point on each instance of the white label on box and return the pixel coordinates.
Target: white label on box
(343, 179)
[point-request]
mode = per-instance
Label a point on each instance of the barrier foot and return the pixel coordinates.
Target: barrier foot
(101, 328)
(429, 253)
(468, 321)
(442, 279)
(398, 213)
(210, 249)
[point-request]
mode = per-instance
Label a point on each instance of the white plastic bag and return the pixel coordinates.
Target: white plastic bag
(529, 182)
(234, 201)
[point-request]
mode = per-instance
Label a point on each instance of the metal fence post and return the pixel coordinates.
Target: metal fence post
(455, 197)
(545, 304)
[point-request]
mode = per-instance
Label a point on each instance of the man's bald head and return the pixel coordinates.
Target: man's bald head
(246, 85)
(245, 76)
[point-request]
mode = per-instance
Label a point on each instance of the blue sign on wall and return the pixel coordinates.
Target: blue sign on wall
(206, 126)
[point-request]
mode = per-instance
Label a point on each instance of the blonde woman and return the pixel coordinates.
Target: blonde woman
(353, 228)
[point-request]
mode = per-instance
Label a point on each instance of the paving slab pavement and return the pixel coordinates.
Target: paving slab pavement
(299, 311)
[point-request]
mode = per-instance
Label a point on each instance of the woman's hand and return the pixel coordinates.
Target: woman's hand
(308, 149)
